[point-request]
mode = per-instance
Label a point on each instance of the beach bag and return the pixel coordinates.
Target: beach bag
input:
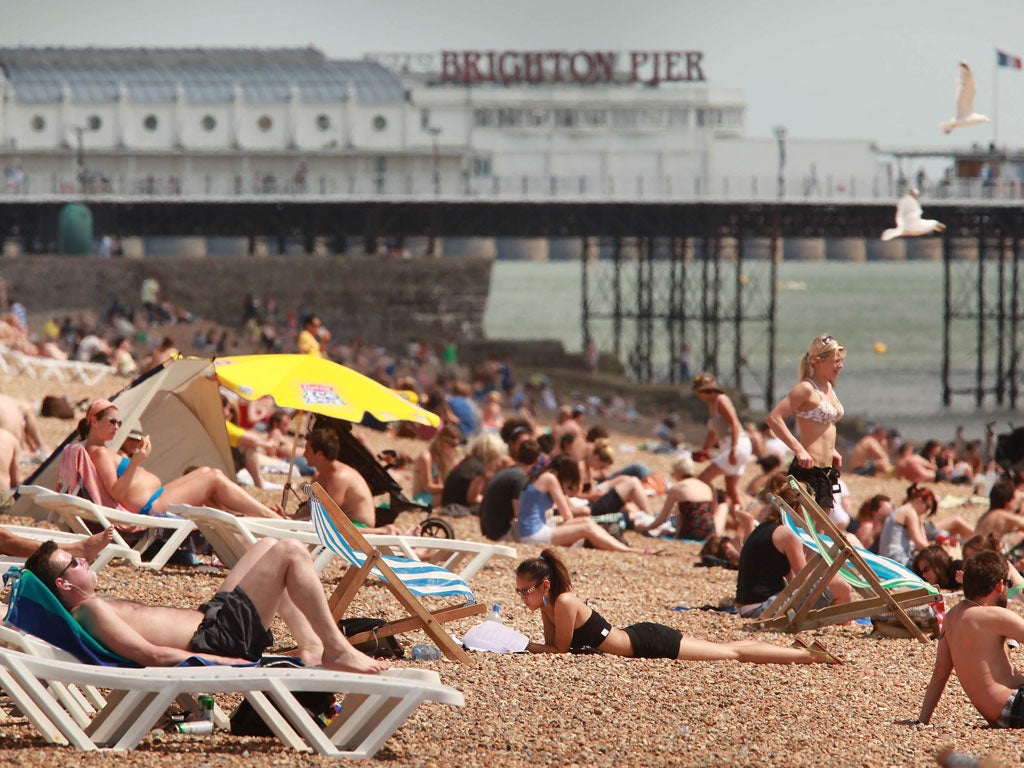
(379, 647)
(245, 721)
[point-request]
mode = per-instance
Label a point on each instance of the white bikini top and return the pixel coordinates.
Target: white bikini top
(824, 412)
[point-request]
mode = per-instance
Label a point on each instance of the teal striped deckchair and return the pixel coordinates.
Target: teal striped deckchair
(884, 586)
(407, 580)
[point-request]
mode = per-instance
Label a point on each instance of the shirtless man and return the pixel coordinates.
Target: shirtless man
(344, 484)
(914, 467)
(18, 418)
(973, 644)
(870, 455)
(1003, 514)
(274, 576)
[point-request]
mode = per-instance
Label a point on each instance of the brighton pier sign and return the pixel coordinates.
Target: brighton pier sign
(582, 67)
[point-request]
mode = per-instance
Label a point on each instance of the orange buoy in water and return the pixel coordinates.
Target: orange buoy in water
(880, 348)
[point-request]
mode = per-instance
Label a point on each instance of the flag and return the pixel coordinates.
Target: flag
(1006, 60)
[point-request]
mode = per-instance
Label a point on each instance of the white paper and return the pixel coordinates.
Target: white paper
(495, 637)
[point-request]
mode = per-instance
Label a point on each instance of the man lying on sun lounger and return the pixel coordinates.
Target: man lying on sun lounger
(274, 576)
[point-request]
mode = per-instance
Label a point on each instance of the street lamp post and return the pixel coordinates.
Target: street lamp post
(434, 133)
(780, 137)
(80, 157)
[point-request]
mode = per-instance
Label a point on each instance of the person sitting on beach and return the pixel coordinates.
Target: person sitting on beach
(543, 584)
(773, 555)
(870, 456)
(690, 501)
(164, 352)
(610, 495)
(914, 467)
(560, 476)
(871, 515)
(18, 417)
(10, 460)
(342, 483)
(274, 576)
(769, 465)
(973, 644)
(903, 532)
(431, 467)
(138, 490)
(492, 414)
(569, 421)
(935, 565)
(1003, 516)
(500, 505)
(464, 487)
(89, 547)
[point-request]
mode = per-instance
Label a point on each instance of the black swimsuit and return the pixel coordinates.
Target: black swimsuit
(591, 633)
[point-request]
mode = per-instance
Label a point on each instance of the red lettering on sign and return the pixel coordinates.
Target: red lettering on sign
(533, 67)
(450, 72)
(605, 62)
(508, 73)
(693, 69)
(471, 72)
(637, 59)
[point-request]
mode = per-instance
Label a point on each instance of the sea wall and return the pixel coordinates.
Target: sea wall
(385, 301)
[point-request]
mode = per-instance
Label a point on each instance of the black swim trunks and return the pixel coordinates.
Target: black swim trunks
(608, 504)
(653, 641)
(823, 482)
(231, 626)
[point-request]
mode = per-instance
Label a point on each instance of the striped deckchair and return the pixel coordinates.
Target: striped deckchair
(884, 586)
(407, 580)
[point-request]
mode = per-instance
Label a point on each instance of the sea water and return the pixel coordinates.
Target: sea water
(888, 315)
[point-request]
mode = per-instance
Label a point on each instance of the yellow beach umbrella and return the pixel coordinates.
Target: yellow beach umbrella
(313, 384)
(309, 383)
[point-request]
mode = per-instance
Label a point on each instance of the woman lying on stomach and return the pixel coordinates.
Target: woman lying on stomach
(570, 625)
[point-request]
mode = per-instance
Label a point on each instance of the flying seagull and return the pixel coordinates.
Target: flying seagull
(965, 114)
(908, 219)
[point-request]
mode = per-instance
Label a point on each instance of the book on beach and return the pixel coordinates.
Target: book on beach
(495, 637)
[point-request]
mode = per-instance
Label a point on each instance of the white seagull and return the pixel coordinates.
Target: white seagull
(908, 219)
(965, 114)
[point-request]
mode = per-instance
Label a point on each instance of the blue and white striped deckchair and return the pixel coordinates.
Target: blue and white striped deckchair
(885, 586)
(408, 580)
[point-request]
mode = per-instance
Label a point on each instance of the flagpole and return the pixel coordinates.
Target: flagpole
(995, 101)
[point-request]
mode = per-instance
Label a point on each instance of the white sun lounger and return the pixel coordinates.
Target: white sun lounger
(230, 536)
(35, 367)
(373, 707)
(74, 512)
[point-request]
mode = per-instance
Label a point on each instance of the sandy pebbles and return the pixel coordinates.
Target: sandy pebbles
(595, 710)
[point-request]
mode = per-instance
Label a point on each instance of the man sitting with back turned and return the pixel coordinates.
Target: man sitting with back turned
(274, 576)
(973, 644)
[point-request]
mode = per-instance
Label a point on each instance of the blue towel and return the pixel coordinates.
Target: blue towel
(36, 610)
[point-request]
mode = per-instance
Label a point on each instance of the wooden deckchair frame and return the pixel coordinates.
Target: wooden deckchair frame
(793, 609)
(419, 617)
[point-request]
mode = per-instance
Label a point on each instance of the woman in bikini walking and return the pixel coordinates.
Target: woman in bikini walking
(814, 403)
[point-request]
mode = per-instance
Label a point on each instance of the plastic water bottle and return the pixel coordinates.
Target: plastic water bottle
(195, 727)
(425, 652)
(495, 614)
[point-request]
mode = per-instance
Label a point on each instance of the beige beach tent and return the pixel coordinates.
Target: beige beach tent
(178, 406)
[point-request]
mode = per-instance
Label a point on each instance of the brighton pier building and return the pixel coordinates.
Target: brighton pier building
(504, 125)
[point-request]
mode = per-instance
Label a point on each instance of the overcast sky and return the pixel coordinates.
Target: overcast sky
(866, 69)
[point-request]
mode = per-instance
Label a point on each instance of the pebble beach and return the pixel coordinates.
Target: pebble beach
(593, 710)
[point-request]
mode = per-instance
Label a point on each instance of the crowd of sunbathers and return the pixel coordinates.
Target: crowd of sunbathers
(557, 487)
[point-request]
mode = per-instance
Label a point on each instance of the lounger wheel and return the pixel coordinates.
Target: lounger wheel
(436, 528)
